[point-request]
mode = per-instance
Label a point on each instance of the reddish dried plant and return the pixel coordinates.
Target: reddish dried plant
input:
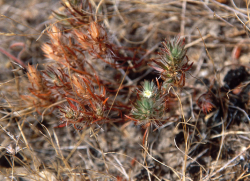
(74, 16)
(92, 37)
(62, 50)
(206, 102)
(96, 42)
(42, 95)
(86, 99)
(73, 78)
(90, 106)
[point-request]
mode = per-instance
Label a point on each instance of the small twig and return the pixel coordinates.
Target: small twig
(197, 41)
(117, 93)
(216, 15)
(12, 57)
(242, 22)
(184, 6)
(230, 133)
(162, 163)
(229, 162)
(221, 144)
(228, 8)
(150, 51)
(57, 103)
(97, 8)
(242, 110)
(239, 9)
(189, 156)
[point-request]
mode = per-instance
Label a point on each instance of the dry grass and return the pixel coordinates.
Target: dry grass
(189, 146)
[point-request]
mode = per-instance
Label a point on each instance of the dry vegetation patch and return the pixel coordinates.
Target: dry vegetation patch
(124, 90)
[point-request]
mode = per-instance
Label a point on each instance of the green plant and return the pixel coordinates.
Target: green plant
(149, 106)
(171, 64)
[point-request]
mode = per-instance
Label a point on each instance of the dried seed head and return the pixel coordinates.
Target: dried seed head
(48, 50)
(94, 30)
(55, 35)
(81, 90)
(206, 102)
(35, 77)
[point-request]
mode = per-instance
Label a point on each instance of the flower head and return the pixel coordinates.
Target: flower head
(173, 50)
(148, 89)
(171, 63)
(149, 107)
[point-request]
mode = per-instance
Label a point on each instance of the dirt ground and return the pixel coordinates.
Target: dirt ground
(190, 145)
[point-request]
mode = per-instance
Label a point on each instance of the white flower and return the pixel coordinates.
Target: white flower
(147, 93)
